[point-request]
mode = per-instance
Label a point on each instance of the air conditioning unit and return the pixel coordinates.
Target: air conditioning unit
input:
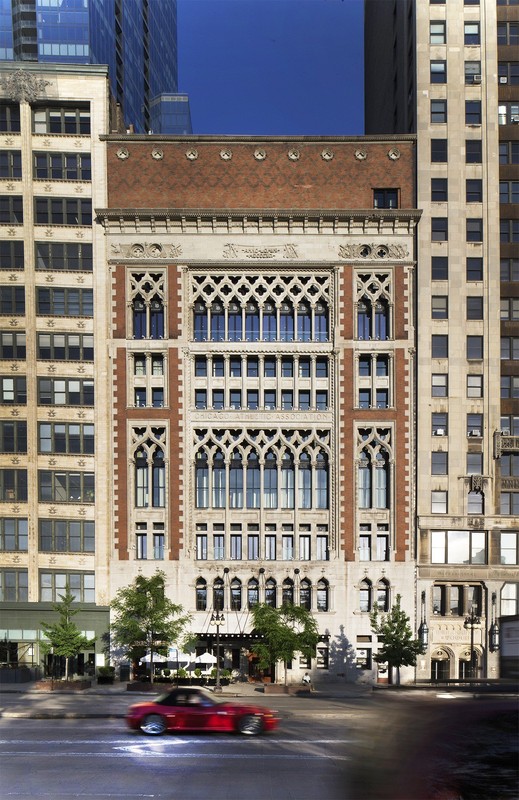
(505, 431)
(475, 432)
(439, 432)
(476, 79)
(503, 79)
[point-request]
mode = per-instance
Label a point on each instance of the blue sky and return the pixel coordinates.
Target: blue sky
(272, 67)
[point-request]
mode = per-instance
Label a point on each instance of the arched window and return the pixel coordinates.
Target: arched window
(286, 323)
(363, 319)
(202, 480)
(475, 504)
(253, 481)
(141, 478)
(236, 594)
(235, 324)
(201, 594)
(373, 479)
(322, 595)
(305, 594)
(219, 488)
(236, 481)
(383, 595)
(217, 323)
(156, 318)
(381, 320)
(321, 481)
(253, 593)
(304, 323)
(158, 479)
(144, 471)
(139, 318)
(287, 481)
(320, 323)
(270, 481)
(218, 595)
(305, 481)
(365, 595)
(381, 479)
(364, 480)
(252, 327)
(270, 593)
(200, 322)
(288, 592)
(270, 326)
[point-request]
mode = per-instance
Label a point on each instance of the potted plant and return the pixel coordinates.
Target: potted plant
(182, 677)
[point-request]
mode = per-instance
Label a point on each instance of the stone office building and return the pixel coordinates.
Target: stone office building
(259, 387)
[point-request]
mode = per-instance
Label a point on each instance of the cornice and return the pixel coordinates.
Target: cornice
(212, 138)
(261, 213)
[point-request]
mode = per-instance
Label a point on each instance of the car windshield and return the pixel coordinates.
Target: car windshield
(187, 697)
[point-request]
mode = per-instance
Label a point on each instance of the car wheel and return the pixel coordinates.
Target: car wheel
(153, 725)
(250, 725)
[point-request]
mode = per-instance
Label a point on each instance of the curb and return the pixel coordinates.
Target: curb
(58, 715)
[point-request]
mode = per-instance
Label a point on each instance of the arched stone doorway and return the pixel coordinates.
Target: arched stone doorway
(468, 665)
(440, 664)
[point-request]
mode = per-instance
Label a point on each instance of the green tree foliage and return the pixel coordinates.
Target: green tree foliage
(64, 637)
(399, 647)
(285, 631)
(145, 620)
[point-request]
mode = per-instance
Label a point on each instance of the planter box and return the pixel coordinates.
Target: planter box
(62, 686)
(157, 688)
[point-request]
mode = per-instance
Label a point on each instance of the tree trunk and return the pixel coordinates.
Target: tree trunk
(151, 666)
(286, 673)
(66, 668)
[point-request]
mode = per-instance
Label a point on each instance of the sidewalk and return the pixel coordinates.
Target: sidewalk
(23, 701)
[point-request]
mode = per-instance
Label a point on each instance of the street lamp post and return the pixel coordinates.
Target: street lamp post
(423, 630)
(494, 628)
(217, 619)
(471, 620)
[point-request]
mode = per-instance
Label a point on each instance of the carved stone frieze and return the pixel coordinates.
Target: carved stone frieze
(373, 251)
(288, 251)
(143, 250)
(22, 86)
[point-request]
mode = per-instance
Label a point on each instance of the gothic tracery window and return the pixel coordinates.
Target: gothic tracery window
(147, 299)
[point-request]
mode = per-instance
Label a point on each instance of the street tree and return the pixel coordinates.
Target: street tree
(399, 647)
(284, 631)
(64, 638)
(145, 620)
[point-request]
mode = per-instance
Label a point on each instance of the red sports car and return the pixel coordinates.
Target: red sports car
(193, 709)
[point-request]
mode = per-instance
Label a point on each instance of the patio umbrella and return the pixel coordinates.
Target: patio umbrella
(206, 658)
(156, 658)
(179, 657)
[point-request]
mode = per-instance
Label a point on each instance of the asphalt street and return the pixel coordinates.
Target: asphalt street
(372, 746)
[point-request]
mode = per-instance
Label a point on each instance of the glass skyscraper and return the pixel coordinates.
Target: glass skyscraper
(137, 39)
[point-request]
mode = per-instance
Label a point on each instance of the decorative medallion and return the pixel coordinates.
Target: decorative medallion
(294, 155)
(361, 155)
(157, 154)
(327, 154)
(260, 155)
(23, 86)
(374, 251)
(147, 250)
(123, 153)
(394, 154)
(192, 154)
(226, 154)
